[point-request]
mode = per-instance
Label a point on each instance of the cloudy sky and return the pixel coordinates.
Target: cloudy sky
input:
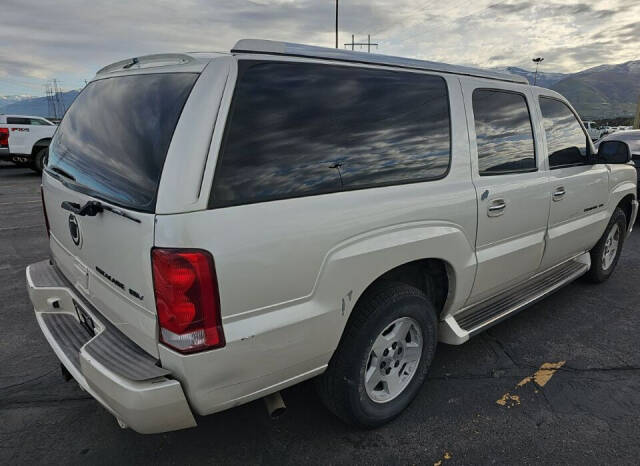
(71, 39)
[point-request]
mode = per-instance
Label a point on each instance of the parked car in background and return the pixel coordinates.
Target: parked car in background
(632, 138)
(281, 212)
(593, 130)
(25, 140)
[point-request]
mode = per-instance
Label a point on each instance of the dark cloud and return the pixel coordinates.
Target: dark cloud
(508, 8)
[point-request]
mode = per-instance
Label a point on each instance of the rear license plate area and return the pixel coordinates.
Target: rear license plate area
(85, 319)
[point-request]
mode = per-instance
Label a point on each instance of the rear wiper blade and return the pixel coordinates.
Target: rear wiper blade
(92, 208)
(62, 172)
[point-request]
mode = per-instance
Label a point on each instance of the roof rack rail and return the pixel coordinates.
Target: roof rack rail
(269, 47)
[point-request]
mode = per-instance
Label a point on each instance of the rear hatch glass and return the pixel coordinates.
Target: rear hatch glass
(113, 141)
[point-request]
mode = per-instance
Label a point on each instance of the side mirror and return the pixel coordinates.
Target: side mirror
(614, 152)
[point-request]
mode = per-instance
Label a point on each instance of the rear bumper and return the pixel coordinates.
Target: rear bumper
(5, 154)
(118, 374)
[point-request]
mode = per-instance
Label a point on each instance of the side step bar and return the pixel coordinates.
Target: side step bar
(481, 316)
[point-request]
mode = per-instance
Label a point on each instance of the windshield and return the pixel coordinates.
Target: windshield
(113, 141)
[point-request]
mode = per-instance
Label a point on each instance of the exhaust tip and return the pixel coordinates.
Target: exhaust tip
(275, 405)
(121, 423)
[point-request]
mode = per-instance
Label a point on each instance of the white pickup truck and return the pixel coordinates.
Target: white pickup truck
(25, 139)
(592, 130)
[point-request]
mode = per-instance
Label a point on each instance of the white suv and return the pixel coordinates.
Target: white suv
(254, 219)
(25, 139)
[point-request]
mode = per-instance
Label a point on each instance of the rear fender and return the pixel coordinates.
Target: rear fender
(355, 264)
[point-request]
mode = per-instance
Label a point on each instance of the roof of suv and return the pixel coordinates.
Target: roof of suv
(290, 49)
(196, 61)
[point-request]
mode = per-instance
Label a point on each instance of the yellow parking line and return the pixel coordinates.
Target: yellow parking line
(447, 456)
(541, 377)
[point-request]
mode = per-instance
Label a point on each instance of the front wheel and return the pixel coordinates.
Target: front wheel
(605, 254)
(383, 357)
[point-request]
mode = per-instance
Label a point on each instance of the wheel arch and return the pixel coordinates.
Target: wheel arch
(402, 253)
(626, 204)
(39, 144)
(435, 277)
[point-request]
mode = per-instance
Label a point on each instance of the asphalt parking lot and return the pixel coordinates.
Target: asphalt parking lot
(558, 383)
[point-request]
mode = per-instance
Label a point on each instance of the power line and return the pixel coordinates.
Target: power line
(55, 101)
(368, 43)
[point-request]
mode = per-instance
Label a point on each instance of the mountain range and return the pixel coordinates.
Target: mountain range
(605, 91)
(36, 106)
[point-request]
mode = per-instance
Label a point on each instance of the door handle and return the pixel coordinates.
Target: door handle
(496, 207)
(559, 193)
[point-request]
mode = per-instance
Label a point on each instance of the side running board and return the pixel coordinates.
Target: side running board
(487, 313)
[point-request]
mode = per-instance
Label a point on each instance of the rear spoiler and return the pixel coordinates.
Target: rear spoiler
(147, 61)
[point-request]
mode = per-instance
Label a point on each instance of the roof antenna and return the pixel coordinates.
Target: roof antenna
(134, 61)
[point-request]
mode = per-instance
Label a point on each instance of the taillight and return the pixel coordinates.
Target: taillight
(187, 299)
(4, 137)
(44, 211)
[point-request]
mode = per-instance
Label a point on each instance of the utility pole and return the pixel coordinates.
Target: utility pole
(336, 23)
(368, 43)
(537, 61)
(51, 108)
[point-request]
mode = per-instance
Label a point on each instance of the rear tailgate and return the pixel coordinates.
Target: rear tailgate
(110, 265)
(110, 149)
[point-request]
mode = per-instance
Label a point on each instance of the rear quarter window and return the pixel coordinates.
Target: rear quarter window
(299, 129)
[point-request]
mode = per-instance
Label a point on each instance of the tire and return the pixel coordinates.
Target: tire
(391, 307)
(38, 162)
(604, 258)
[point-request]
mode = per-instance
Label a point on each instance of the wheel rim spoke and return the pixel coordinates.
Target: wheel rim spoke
(610, 249)
(412, 353)
(393, 385)
(393, 359)
(372, 378)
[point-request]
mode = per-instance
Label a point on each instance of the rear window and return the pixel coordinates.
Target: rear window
(18, 121)
(300, 129)
(504, 135)
(114, 139)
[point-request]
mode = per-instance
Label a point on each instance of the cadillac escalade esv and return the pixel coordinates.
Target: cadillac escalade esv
(223, 226)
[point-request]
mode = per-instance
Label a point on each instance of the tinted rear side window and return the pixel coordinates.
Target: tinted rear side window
(18, 121)
(566, 141)
(300, 129)
(504, 135)
(114, 138)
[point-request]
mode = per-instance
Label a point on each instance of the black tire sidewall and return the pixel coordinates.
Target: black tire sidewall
(597, 272)
(38, 160)
(365, 411)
